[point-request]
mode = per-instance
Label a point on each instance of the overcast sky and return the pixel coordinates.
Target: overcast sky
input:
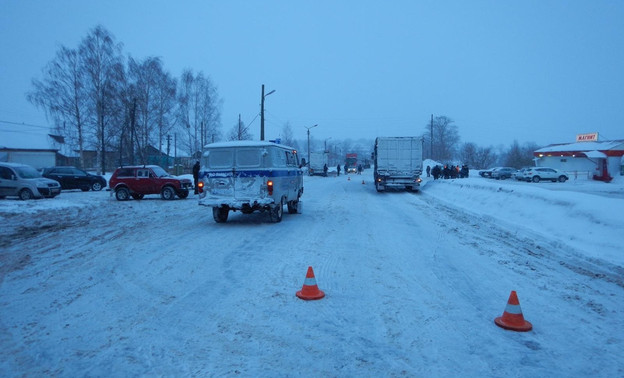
(531, 71)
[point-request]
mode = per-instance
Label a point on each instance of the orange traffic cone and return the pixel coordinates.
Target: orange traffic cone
(310, 290)
(512, 318)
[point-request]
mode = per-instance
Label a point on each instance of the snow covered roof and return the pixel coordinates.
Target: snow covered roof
(244, 143)
(584, 146)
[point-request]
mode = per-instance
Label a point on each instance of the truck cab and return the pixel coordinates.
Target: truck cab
(250, 176)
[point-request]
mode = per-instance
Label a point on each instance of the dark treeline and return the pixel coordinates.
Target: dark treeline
(97, 99)
(441, 142)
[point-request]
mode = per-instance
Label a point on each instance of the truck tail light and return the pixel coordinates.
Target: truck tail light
(270, 187)
(200, 186)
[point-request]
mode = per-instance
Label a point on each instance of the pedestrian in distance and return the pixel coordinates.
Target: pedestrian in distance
(338, 170)
(325, 170)
(359, 169)
(428, 171)
(196, 176)
(436, 172)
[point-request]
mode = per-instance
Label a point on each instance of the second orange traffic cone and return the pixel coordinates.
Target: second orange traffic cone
(310, 291)
(512, 318)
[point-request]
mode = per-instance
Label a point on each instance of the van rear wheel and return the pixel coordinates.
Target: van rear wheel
(277, 211)
(292, 206)
(220, 214)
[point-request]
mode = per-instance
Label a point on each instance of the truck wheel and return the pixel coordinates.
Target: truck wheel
(220, 214)
(379, 187)
(277, 212)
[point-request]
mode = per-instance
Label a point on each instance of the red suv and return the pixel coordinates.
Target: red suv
(137, 181)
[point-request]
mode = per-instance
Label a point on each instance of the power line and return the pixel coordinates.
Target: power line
(25, 124)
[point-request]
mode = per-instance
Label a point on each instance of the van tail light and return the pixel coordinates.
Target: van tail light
(270, 187)
(200, 186)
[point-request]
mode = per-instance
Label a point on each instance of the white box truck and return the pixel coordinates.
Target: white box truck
(318, 161)
(398, 163)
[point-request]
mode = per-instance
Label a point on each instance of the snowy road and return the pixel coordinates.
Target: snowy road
(413, 282)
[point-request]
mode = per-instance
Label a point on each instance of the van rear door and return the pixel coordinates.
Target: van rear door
(248, 176)
(221, 175)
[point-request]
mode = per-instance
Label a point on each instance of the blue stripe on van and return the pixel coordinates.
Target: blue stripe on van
(251, 173)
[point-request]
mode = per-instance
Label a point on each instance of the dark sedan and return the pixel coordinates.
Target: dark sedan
(74, 178)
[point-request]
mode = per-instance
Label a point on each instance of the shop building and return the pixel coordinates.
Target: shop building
(600, 160)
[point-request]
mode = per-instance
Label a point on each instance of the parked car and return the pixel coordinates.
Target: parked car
(486, 172)
(74, 178)
(536, 174)
(25, 182)
(519, 174)
(502, 173)
(137, 181)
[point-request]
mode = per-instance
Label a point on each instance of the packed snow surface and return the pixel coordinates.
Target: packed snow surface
(90, 286)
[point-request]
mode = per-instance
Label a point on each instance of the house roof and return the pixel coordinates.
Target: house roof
(609, 145)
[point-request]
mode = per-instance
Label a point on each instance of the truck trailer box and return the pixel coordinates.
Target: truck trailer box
(398, 163)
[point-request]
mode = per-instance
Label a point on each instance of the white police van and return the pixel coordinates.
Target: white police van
(250, 176)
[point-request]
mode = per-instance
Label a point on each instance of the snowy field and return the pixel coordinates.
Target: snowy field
(90, 286)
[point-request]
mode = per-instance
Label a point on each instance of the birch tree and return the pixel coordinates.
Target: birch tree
(61, 94)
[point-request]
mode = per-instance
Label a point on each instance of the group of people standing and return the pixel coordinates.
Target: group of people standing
(448, 171)
(359, 169)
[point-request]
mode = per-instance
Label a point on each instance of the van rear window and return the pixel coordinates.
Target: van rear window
(221, 159)
(248, 158)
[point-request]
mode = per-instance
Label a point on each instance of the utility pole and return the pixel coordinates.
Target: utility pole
(431, 139)
(132, 130)
(262, 114)
(202, 140)
(262, 111)
(308, 162)
(168, 150)
(175, 152)
(239, 127)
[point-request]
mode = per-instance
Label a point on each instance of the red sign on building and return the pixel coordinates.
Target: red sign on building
(591, 137)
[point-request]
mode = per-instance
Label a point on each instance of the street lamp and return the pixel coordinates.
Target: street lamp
(308, 162)
(262, 112)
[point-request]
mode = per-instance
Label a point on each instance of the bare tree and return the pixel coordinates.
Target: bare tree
(288, 137)
(519, 156)
(444, 139)
(153, 101)
(485, 157)
(239, 131)
(467, 154)
(61, 93)
(103, 64)
(198, 111)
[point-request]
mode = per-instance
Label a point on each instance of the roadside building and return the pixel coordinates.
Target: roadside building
(600, 160)
(36, 157)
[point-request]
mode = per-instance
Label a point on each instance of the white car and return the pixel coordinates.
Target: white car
(24, 182)
(536, 174)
